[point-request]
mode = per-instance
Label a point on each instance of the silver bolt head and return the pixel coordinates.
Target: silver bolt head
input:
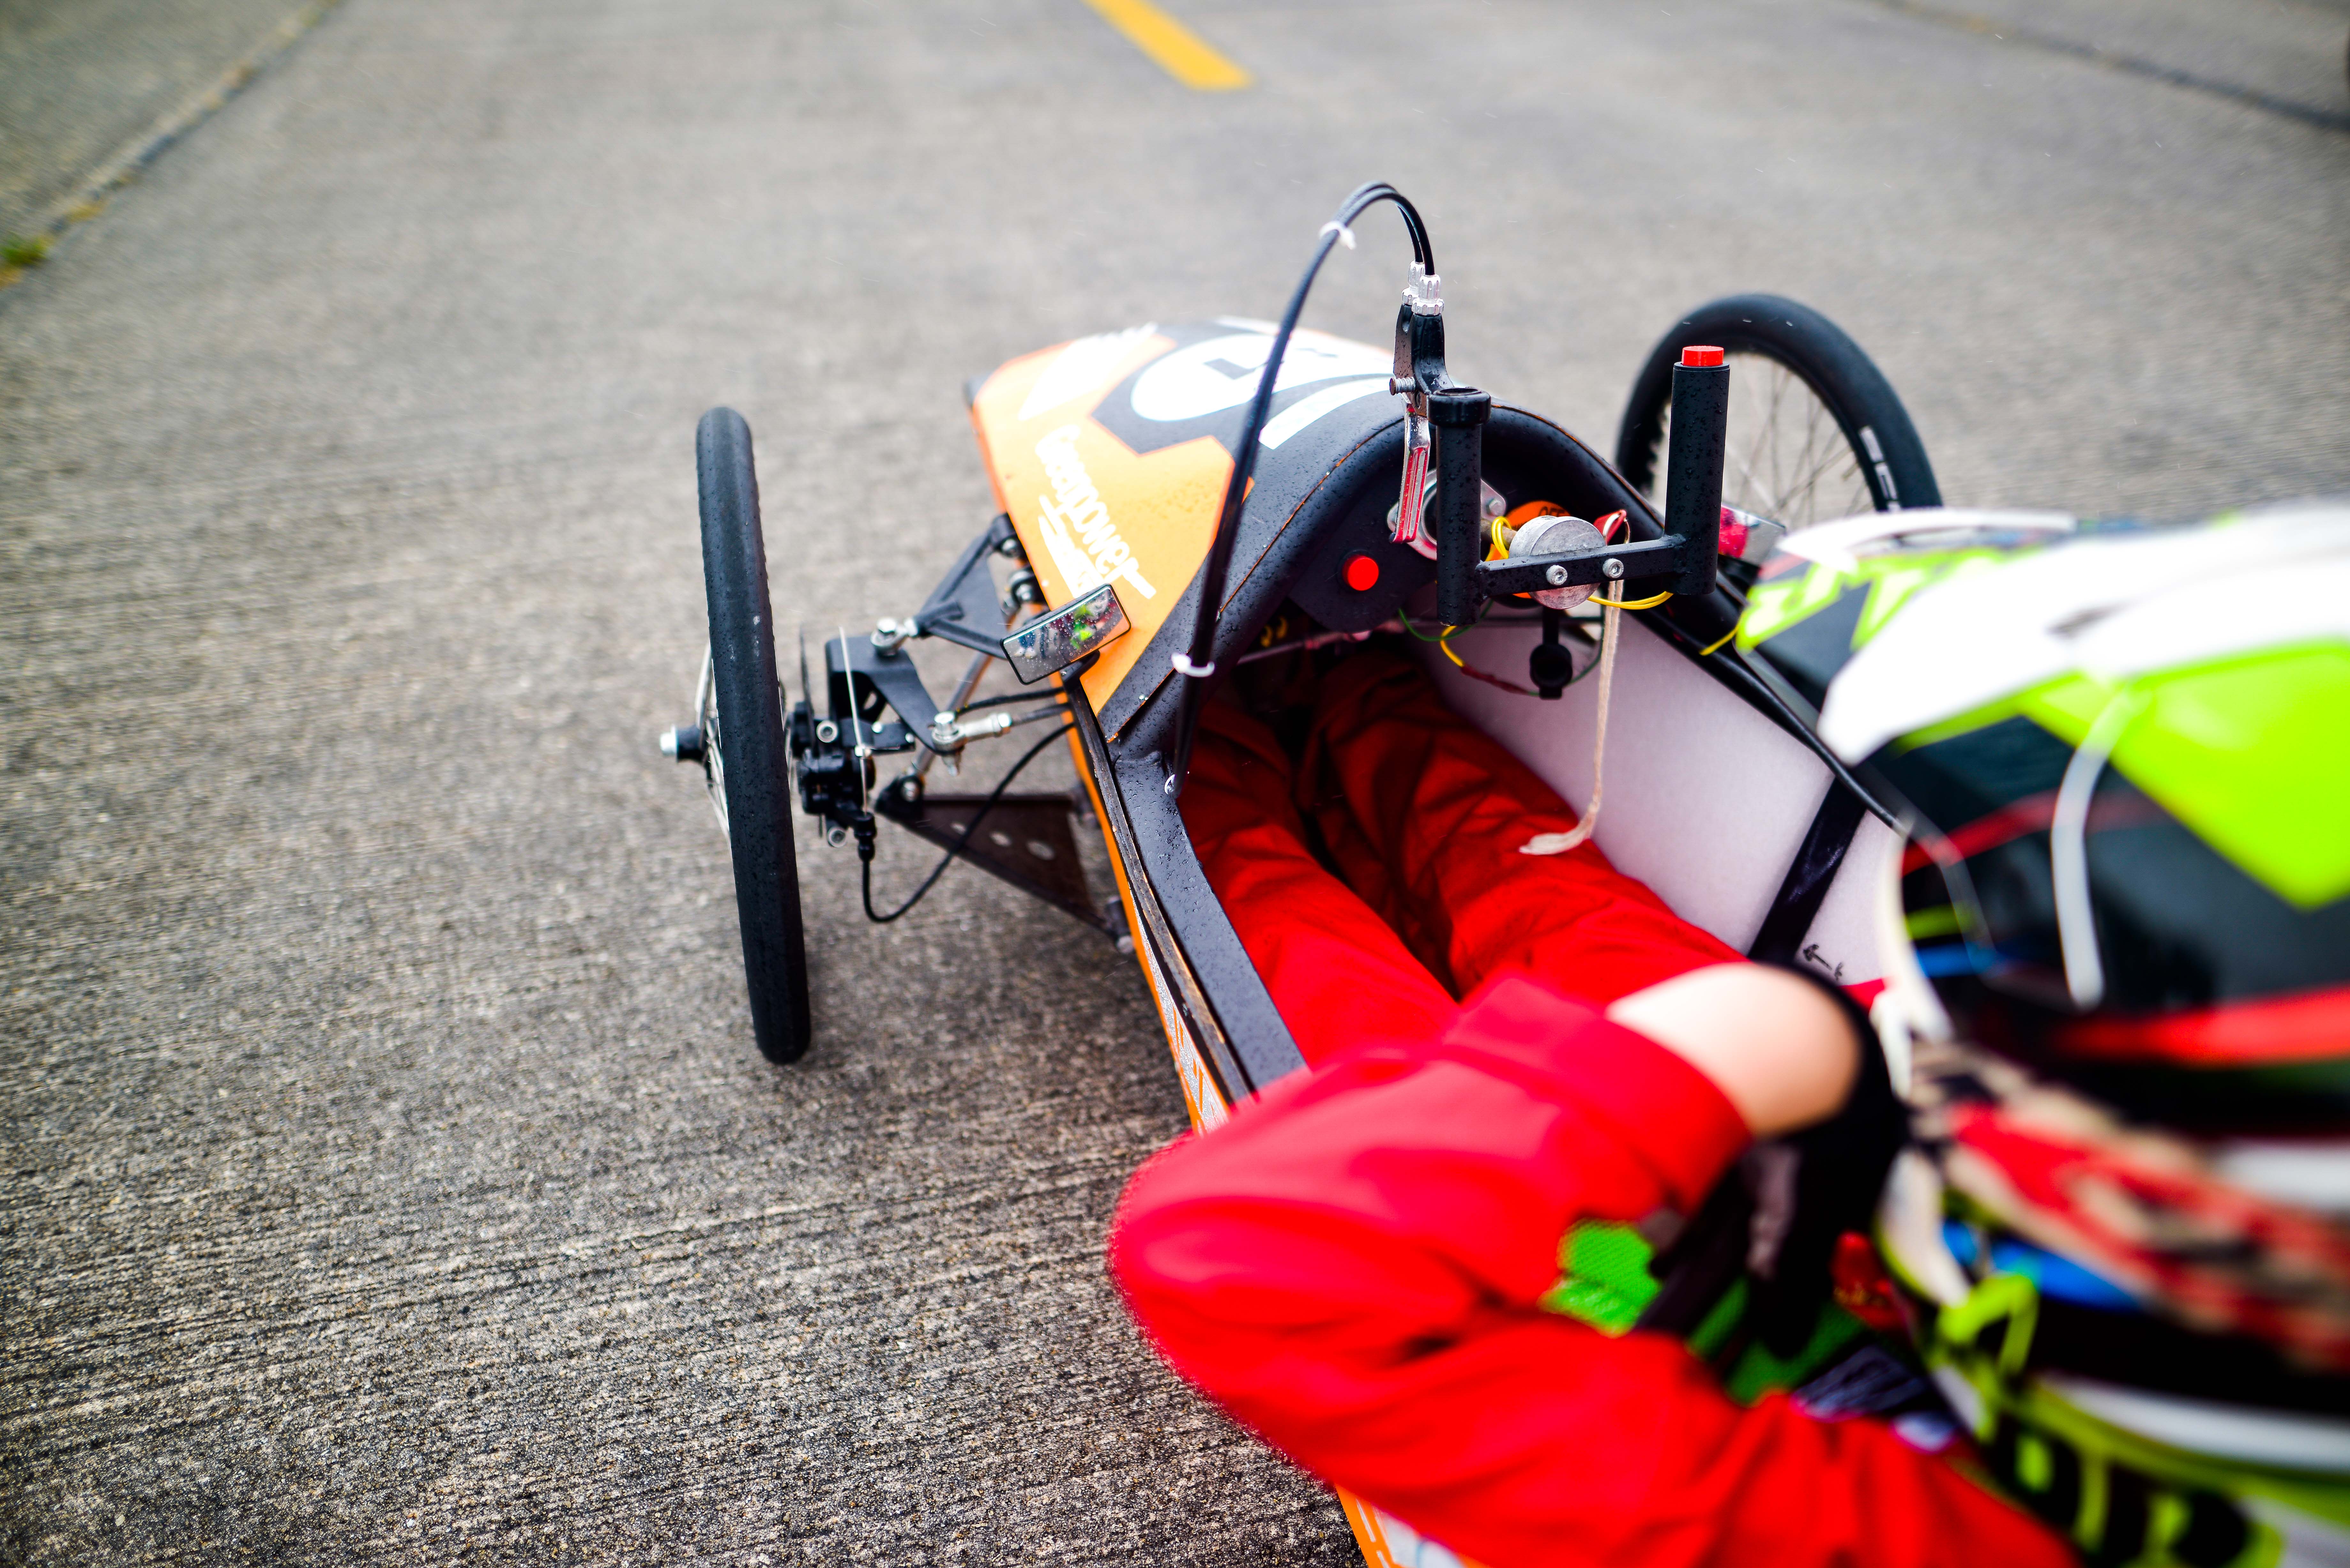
(828, 731)
(669, 743)
(1556, 576)
(1611, 568)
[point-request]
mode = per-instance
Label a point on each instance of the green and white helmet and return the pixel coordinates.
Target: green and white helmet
(2118, 951)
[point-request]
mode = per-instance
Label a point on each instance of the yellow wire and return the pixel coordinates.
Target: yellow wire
(1715, 646)
(1649, 602)
(1445, 642)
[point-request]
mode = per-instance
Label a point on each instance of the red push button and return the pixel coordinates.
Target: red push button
(1699, 357)
(1362, 572)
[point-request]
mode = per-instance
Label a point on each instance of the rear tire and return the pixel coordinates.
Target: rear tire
(1815, 429)
(748, 747)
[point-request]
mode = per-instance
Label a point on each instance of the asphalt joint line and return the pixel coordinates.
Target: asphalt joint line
(2113, 59)
(20, 253)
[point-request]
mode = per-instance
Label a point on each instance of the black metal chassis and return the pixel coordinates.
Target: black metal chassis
(1174, 915)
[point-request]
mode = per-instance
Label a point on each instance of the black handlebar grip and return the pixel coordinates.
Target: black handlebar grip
(1458, 415)
(1693, 465)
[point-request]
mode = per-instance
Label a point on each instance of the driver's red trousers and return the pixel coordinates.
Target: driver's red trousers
(1351, 1266)
(1425, 816)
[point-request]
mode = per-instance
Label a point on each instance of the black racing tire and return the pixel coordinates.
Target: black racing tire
(1881, 465)
(756, 769)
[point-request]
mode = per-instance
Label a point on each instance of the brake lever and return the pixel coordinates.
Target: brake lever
(1418, 370)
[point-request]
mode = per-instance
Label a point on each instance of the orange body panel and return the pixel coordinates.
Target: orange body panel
(1088, 508)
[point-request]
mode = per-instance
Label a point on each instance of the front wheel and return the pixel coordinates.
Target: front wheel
(1815, 429)
(744, 748)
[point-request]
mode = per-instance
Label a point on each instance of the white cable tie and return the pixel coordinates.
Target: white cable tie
(1346, 235)
(2068, 847)
(1560, 843)
(1183, 666)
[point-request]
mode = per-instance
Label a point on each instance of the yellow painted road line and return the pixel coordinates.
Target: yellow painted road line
(1180, 52)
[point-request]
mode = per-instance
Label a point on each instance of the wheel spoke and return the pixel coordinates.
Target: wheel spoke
(1808, 486)
(1766, 436)
(1751, 491)
(1801, 487)
(1780, 385)
(1755, 493)
(713, 745)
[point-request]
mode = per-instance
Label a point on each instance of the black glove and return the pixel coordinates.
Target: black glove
(1840, 1166)
(1776, 1216)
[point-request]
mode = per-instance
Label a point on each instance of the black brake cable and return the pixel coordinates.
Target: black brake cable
(1008, 698)
(864, 866)
(1197, 665)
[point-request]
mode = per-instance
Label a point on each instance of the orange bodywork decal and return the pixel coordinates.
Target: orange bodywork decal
(1088, 508)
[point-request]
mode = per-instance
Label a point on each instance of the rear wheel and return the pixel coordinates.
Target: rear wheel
(1815, 429)
(745, 750)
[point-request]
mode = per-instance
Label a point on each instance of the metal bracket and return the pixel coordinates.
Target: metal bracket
(1584, 567)
(963, 607)
(888, 673)
(1027, 840)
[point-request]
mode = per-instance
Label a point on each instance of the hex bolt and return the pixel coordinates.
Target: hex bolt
(1611, 568)
(1556, 576)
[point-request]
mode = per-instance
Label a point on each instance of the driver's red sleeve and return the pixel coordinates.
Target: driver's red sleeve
(1351, 1267)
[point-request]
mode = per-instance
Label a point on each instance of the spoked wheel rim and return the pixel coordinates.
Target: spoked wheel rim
(713, 749)
(1786, 457)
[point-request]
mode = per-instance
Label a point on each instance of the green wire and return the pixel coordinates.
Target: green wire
(1482, 611)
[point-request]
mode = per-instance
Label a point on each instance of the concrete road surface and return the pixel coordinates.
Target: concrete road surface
(82, 79)
(389, 1176)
